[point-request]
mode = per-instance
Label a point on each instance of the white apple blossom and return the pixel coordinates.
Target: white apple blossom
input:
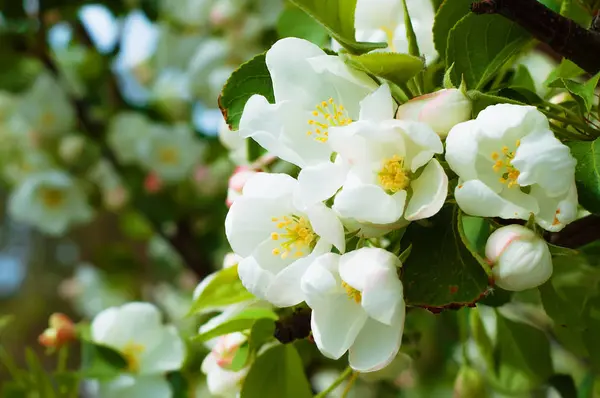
(170, 151)
(391, 169)
(221, 381)
(441, 110)
(313, 91)
(510, 165)
(383, 21)
(125, 133)
(520, 259)
(238, 179)
(277, 239)
(135, 330)
(50, 200)
(237, 146)
(357, 306)
(171, 94)
(46, 107)
(190, 13)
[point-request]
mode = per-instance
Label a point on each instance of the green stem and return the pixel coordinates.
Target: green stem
(63, 355)
(463, 326)
(350, 384)
(335, 384)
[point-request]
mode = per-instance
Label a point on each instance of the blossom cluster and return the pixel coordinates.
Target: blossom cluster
(369, 167)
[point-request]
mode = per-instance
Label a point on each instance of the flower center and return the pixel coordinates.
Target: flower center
(168, 155)
(296, 235)
(503, 165)
(47, 119)
(327, 114)
(225, 352)
(352, 293)
(52, 197)
(131, 352)
(392, 176)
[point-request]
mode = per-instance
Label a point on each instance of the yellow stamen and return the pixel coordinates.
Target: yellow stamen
(329, 114)
(131, 352)
(296, 235)
(352, 293)
(392, 176)
(52, 197)
(503, 165)
(168, 155)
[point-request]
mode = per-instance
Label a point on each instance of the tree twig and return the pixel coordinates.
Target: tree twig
(563, 35)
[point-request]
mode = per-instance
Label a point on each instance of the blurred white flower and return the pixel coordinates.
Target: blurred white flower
(237, 146)
(392, 170)
(71, 147)
(277, 239)
(126, 131)
(171, 93)
(440, 110)
(383, 21)
(520, 259)
(191, 13)
(147, 386)
(51, 201)
(539, 65)
(170, 151)
(313, 92)
(222, 382)
(46, 107)
(510, 165)
(357, 306)
(137, 332)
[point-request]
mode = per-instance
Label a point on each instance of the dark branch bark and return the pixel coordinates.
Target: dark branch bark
(578, 233)
(563, 35)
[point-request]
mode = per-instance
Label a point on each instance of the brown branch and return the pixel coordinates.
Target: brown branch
(563, 35)
(577, 234)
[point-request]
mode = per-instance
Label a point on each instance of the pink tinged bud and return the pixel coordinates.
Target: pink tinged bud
(441, 110)
(152, 183)
(226, 348)
(236, 183)
(60, 332)
(520, 259)
(116, 198)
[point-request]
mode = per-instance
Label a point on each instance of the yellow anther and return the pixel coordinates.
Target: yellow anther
(518, 143)
(352, 293)
(393, 177)
(276, 252)
(274, 219)
(495, 155)
(330, 114)
(505, 150)
(296, 235)
(331, 100)
(503, 165)
(502, 180)
(132, 352)
(311, 122)
(274, 236)
(315, 113)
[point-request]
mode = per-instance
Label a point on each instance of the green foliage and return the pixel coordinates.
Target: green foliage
(250, 78)
(293, 22)
(478, 52)
(337, 16)
(444, 274)
(261, 332)
(587, 173)
(449, 13)
(278, 372)
(584, 93)
(397, 68)
(100, 362)
(224, 289)
(243, 321)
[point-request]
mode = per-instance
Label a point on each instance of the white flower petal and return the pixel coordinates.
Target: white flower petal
(421, 143)
(462, 150)
(320, 182)
(336, 324)
(477, 199)
(321, 280)
(327, 225)
(378, 106)
(155, 386)
(374, 14)
(270, 185)
(429, 192)
(510, 122)
(555, 213)
(103, 326)
(167, 356)
(284, 290)
(376, 345)
(370, 203)
(255, 279)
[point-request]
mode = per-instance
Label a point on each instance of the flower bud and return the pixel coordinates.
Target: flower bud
(520, 259)
(60, 332)
(71, 147)
(236, 183)
(469, 384)
(115, 198)
(441, 110)
(152, 183)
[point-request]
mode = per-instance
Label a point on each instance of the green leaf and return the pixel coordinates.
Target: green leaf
(479, 45)
(277, 373)
(566, 70)
(39, 377)
(522, 355)
(179, 385)
(444, 274)
(243, 321)
(522, 78)
(587, 173)
(397, 68)
(337, 16)
(476, 231)
(101, 362)
(411, 37)
(293, 22)
(449, 13)
(224, 289)
(250, 78)
(564, 384)
(261, 332)
(584, 93)
(481, 338)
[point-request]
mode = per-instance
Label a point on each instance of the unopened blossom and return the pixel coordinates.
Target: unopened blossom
(520, 259)
(152, 183)
(357, 306)
(60, 332)
(221, 381)
(170, 151)
(137, 332)
(126, 132)
(441, 110)
(383, 21)
(277, 239)
(313, 92)
(51, 201)
(510, 165)
(391, 169)
(46, 107)
(236, 183)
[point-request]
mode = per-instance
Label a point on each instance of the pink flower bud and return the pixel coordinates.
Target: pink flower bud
(520, 259)
(441, 110)
(60, 332)
(152, 183)
(236, 183)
